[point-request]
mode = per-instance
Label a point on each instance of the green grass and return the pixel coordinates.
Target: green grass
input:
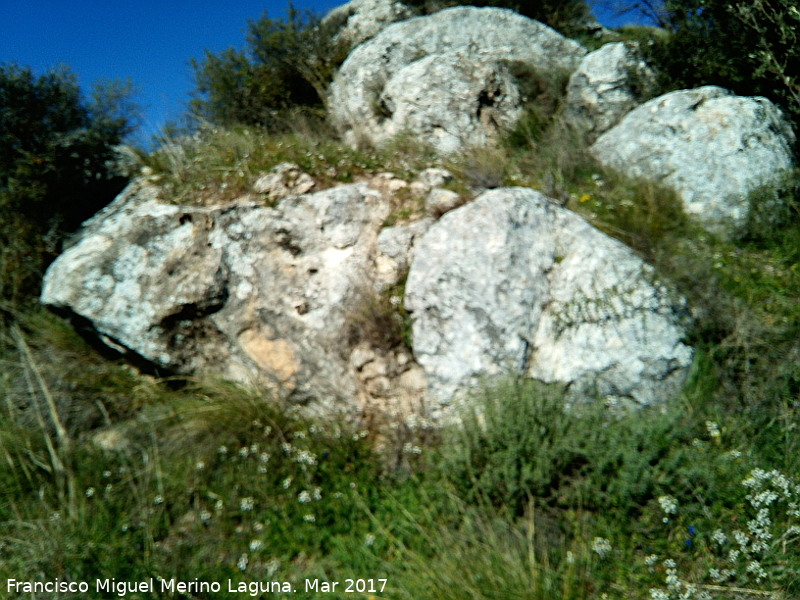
(109, 473)
(215, 482)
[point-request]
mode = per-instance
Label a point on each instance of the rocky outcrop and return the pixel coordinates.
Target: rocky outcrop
(441, 77)
(252, 293)
(608, 83)
(297, 296)
(359, 20)
(284, 179)
(710, 146)
(514, 283)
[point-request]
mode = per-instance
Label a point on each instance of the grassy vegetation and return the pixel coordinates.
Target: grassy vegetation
(108, 473)
(209, 481)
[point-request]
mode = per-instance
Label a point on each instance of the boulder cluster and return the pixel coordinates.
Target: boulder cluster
(275, 289)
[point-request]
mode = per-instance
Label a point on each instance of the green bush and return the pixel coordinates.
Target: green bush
(749, 47)
(288, 63)
(56, 165)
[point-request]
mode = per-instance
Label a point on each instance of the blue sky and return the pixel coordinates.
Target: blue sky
(149, 42)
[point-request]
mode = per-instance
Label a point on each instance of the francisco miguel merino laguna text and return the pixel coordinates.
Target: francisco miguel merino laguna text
(122, 588)
(252, 588)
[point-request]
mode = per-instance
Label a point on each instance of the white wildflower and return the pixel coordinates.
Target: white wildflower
(89, 492)
(601, 546)
(199, 465)
(247, 504)
(670, 564)
(304, 457)
(316, 493)
(286, 483)
(309, 518)
(159, 499)
(764, 498)
(241, 564)
(756, 569)
(672, 580)
(719, 537)
(668, 504)
(272, 567)
(205, 516)
(410, 448)
(741, 538)
(256, 545)
(369, 539)
(713, 430)
(304, 497)
(651, 560)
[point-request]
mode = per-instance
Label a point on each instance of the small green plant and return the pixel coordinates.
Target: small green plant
(380, 319)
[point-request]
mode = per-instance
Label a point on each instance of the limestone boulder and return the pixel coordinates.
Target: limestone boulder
(252, 293)
(608, 83)
(710, 146)
(513, 283)
(284, 179)
(441, 77)
(285, 295)
(359, 20)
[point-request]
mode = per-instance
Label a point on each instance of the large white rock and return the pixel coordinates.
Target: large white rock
(458, 95)
(359, 20)
(608, 83)
(513, 283)
(710, 146)
(252, 293)
(271, 296)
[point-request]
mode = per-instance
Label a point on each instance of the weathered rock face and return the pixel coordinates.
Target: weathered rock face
(269, 295)
(608, 83)
(362, 19)
(427, 97)
(514, 283)
(712, 147)
(252, 293)
(283, 180)
(440, 76)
